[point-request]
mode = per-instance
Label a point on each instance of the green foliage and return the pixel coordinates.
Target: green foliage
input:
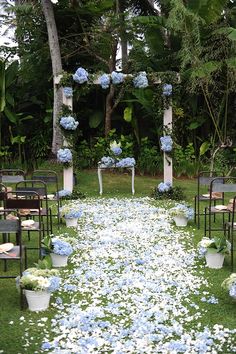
(184, 161)
(149, 160)
(174, 193)
(76, 194)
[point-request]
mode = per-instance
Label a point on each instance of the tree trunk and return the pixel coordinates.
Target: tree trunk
(109, 109)
(47, 6)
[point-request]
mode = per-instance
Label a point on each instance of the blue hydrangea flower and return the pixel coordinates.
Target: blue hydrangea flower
(69, 123)
(107, 161)
(126, 162)
(80, 76)
(232, 290)
(63, 193)
(68, 92)
(167, 90)
(183, 210)
(116, 151)
(104, 81)
(54, 283)
(46, 345)
(73, 214)
(166, 143)
(64, 155)
(202, 251)
(117, 78)
(140, 81)
(164, 187)
(62, 248)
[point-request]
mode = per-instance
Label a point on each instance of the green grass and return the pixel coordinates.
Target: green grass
(12, 326)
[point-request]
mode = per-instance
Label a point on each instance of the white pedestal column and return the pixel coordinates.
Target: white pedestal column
(68, 179)
(168, 168)
(68, 172)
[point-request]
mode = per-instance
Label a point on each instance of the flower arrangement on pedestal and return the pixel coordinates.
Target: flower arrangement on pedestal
(230, 285)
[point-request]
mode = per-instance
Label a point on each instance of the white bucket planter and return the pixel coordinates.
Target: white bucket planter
(214, 260)
(37, 300)
(71, 222)
(58, 260)
(180, 220)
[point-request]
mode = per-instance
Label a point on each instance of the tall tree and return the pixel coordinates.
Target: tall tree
(56, 69)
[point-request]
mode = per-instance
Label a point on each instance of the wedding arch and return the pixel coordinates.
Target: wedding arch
(105, 80)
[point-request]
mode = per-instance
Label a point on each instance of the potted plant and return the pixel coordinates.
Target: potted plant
(71, 214)
(38, 284)
(214, 251)
(58, 248)
(230, 285)
(181, 213)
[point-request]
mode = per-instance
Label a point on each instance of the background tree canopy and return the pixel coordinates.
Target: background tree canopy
(162, 38)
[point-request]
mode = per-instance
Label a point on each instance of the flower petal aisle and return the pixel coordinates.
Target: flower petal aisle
(131, 285)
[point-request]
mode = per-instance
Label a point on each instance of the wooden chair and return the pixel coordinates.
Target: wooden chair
(230, 227)
(204, 179)
(50, 178)
(221, 185)
(28, 205)
(18, 252)
(11, 175)
(40, 188)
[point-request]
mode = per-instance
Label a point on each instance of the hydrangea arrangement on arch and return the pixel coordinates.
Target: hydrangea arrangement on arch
(104, 81)
(64, 156)
(167, 90)
(166, 143)
(68, 91)
(81, 76)
(140, 80)
(117, 78)
(68, 123)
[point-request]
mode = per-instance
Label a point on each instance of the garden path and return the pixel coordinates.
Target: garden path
(132, 287)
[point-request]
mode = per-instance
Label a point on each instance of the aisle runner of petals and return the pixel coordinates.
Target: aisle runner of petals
(130, 287)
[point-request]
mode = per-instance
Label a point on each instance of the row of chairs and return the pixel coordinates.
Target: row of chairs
(217, 188)
(25, 199)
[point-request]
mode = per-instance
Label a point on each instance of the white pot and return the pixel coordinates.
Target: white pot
(71, 222)
(58, 260)
(214, 260)
(180, 220)
(37, 300)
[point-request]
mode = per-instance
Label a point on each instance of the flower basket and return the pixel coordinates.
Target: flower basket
(181, 213)
(214, 260)
(58, 260)
(230, 285)
(71, 222)
(37, 300)
(37, 285)
(180, 220)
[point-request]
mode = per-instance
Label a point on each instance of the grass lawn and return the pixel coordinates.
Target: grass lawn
(20, 328)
